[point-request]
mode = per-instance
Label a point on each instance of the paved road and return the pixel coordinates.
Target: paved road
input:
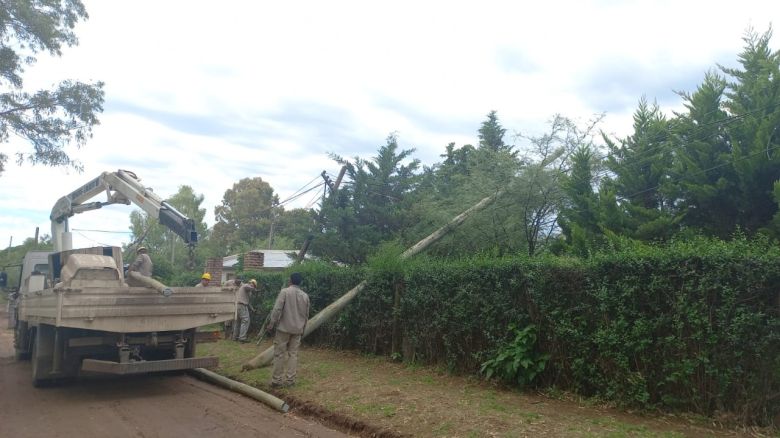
(173, 405)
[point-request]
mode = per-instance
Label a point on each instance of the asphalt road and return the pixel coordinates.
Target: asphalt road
(169, 405)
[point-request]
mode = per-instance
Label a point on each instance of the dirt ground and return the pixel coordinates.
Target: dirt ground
(372, 396)
(156, 405)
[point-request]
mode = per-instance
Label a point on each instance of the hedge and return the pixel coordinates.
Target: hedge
(692, 326)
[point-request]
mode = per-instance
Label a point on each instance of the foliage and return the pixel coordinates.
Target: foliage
(710, 169)
(11, 257)
(292, 227)
(244, 217)
(48, 119)
(517, 361)
(579, 217)
(372, 207)
(169, 253)
(693, 325)
(524, 218)
(491, 134)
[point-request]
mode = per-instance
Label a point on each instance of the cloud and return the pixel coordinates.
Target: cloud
(617, 85)
(205, 96)
(197, 124)
(513, 60)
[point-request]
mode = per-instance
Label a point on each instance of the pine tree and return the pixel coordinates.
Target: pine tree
(491, 134)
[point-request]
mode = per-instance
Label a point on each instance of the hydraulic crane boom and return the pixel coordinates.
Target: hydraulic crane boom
(121, 187)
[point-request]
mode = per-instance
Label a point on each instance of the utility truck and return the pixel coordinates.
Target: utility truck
(78, 313)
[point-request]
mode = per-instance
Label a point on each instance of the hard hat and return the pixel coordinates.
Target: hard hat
(206, 276)
(141, 248)
(254, 282)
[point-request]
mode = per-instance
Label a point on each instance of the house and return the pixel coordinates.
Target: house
(224, 268)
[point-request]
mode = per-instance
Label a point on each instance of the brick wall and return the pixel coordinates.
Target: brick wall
(214, 267)
(253, 261)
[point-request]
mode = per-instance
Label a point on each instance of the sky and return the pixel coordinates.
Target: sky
(206, 93)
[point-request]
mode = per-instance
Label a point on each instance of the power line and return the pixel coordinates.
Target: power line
(293, 196)
(650, 153)
(102, 231)
(707, 170)
(313, 200)
(93, 240)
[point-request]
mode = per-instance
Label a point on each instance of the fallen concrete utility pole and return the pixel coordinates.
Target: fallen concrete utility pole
(242, 388)
(328, 312)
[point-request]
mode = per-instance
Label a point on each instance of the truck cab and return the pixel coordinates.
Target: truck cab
(35, 272)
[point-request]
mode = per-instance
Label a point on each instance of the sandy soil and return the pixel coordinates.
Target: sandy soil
(170, 405)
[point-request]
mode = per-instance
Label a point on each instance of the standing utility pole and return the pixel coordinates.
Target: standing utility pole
(271, 231)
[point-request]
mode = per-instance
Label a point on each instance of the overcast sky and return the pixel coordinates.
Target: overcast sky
(206, 93)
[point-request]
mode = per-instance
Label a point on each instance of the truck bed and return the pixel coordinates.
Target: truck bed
(128, 309)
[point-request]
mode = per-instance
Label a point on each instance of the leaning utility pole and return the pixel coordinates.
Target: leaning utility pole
(331, 310)
(318, 220)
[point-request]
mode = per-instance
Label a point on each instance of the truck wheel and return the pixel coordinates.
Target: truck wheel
(42, 354)
(21, 341)
(189, 349)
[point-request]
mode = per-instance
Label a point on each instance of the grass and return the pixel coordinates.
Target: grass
(411, 399)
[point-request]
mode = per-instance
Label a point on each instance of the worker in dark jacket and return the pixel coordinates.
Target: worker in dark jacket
(289, 317)
(143, 263)
(241, 325)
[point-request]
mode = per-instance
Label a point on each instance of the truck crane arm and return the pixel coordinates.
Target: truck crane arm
(121, 187)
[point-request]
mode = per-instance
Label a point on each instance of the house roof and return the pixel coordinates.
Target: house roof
(272, 258)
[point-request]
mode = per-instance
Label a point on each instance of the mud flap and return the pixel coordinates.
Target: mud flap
(42, 355)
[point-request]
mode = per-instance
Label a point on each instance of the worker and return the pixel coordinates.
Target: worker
(142, 264)
(204, 280)
(289, 316)
(228, 325)
(241, 325)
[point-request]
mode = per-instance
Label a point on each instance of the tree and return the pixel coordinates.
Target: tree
(48, 119)
(491, 134)
(372, 207)
(640, 165)
(703, 183)
(245, 215)
(753, 96)
(466, 175)
(524, 219)
(292, 228)
(167, 250)
(579, 215)
(548, 160)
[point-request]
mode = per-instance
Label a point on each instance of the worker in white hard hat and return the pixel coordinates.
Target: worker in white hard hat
(204, 280)
(241, 326)
(142, 264)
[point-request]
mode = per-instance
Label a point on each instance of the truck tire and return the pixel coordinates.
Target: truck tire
(189, 350)
(21, 341)
(42, 355)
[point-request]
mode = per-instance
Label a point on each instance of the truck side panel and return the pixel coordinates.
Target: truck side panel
(129, 309)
